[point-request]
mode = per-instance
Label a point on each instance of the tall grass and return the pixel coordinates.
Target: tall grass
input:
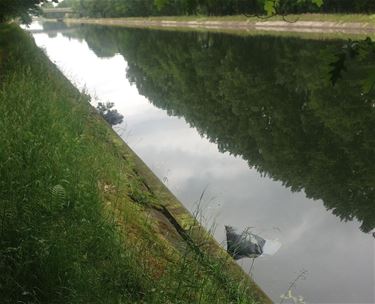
(56, 245)
(76, 220)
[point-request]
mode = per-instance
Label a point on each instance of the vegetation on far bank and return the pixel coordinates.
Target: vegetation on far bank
(144, 8)
(79, 224)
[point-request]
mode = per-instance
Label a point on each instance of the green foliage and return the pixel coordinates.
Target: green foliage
(22, 9)
(268, 100)
(160, 4)
(319, 3)
(284, 7)
(124, 8)
(270, 6)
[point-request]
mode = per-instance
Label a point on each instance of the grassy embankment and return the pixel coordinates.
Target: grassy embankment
(81, 218)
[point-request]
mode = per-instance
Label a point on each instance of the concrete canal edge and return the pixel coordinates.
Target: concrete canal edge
(272, 26)
(183, 221)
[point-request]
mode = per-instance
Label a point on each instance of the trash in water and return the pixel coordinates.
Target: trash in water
(249, 245)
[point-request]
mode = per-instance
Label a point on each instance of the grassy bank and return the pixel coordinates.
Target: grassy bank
(82, 220)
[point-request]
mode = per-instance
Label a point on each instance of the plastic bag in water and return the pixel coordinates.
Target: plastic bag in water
(249, 245)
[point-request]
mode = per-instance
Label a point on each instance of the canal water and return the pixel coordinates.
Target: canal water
(254, 123)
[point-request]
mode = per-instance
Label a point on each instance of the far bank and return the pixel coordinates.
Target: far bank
(306, 23)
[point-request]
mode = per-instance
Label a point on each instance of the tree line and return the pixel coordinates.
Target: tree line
(143, 8)
(10, 9)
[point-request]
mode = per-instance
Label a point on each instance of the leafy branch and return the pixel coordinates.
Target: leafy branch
(280, 8)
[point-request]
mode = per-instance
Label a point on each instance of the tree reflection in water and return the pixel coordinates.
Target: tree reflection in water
(267, 99)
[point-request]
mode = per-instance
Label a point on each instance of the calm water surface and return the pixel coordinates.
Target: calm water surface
(254, 121)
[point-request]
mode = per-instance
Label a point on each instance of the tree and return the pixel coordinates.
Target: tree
(22, 9)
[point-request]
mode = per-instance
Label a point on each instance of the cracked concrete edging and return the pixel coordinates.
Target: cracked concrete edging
(180, 218)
